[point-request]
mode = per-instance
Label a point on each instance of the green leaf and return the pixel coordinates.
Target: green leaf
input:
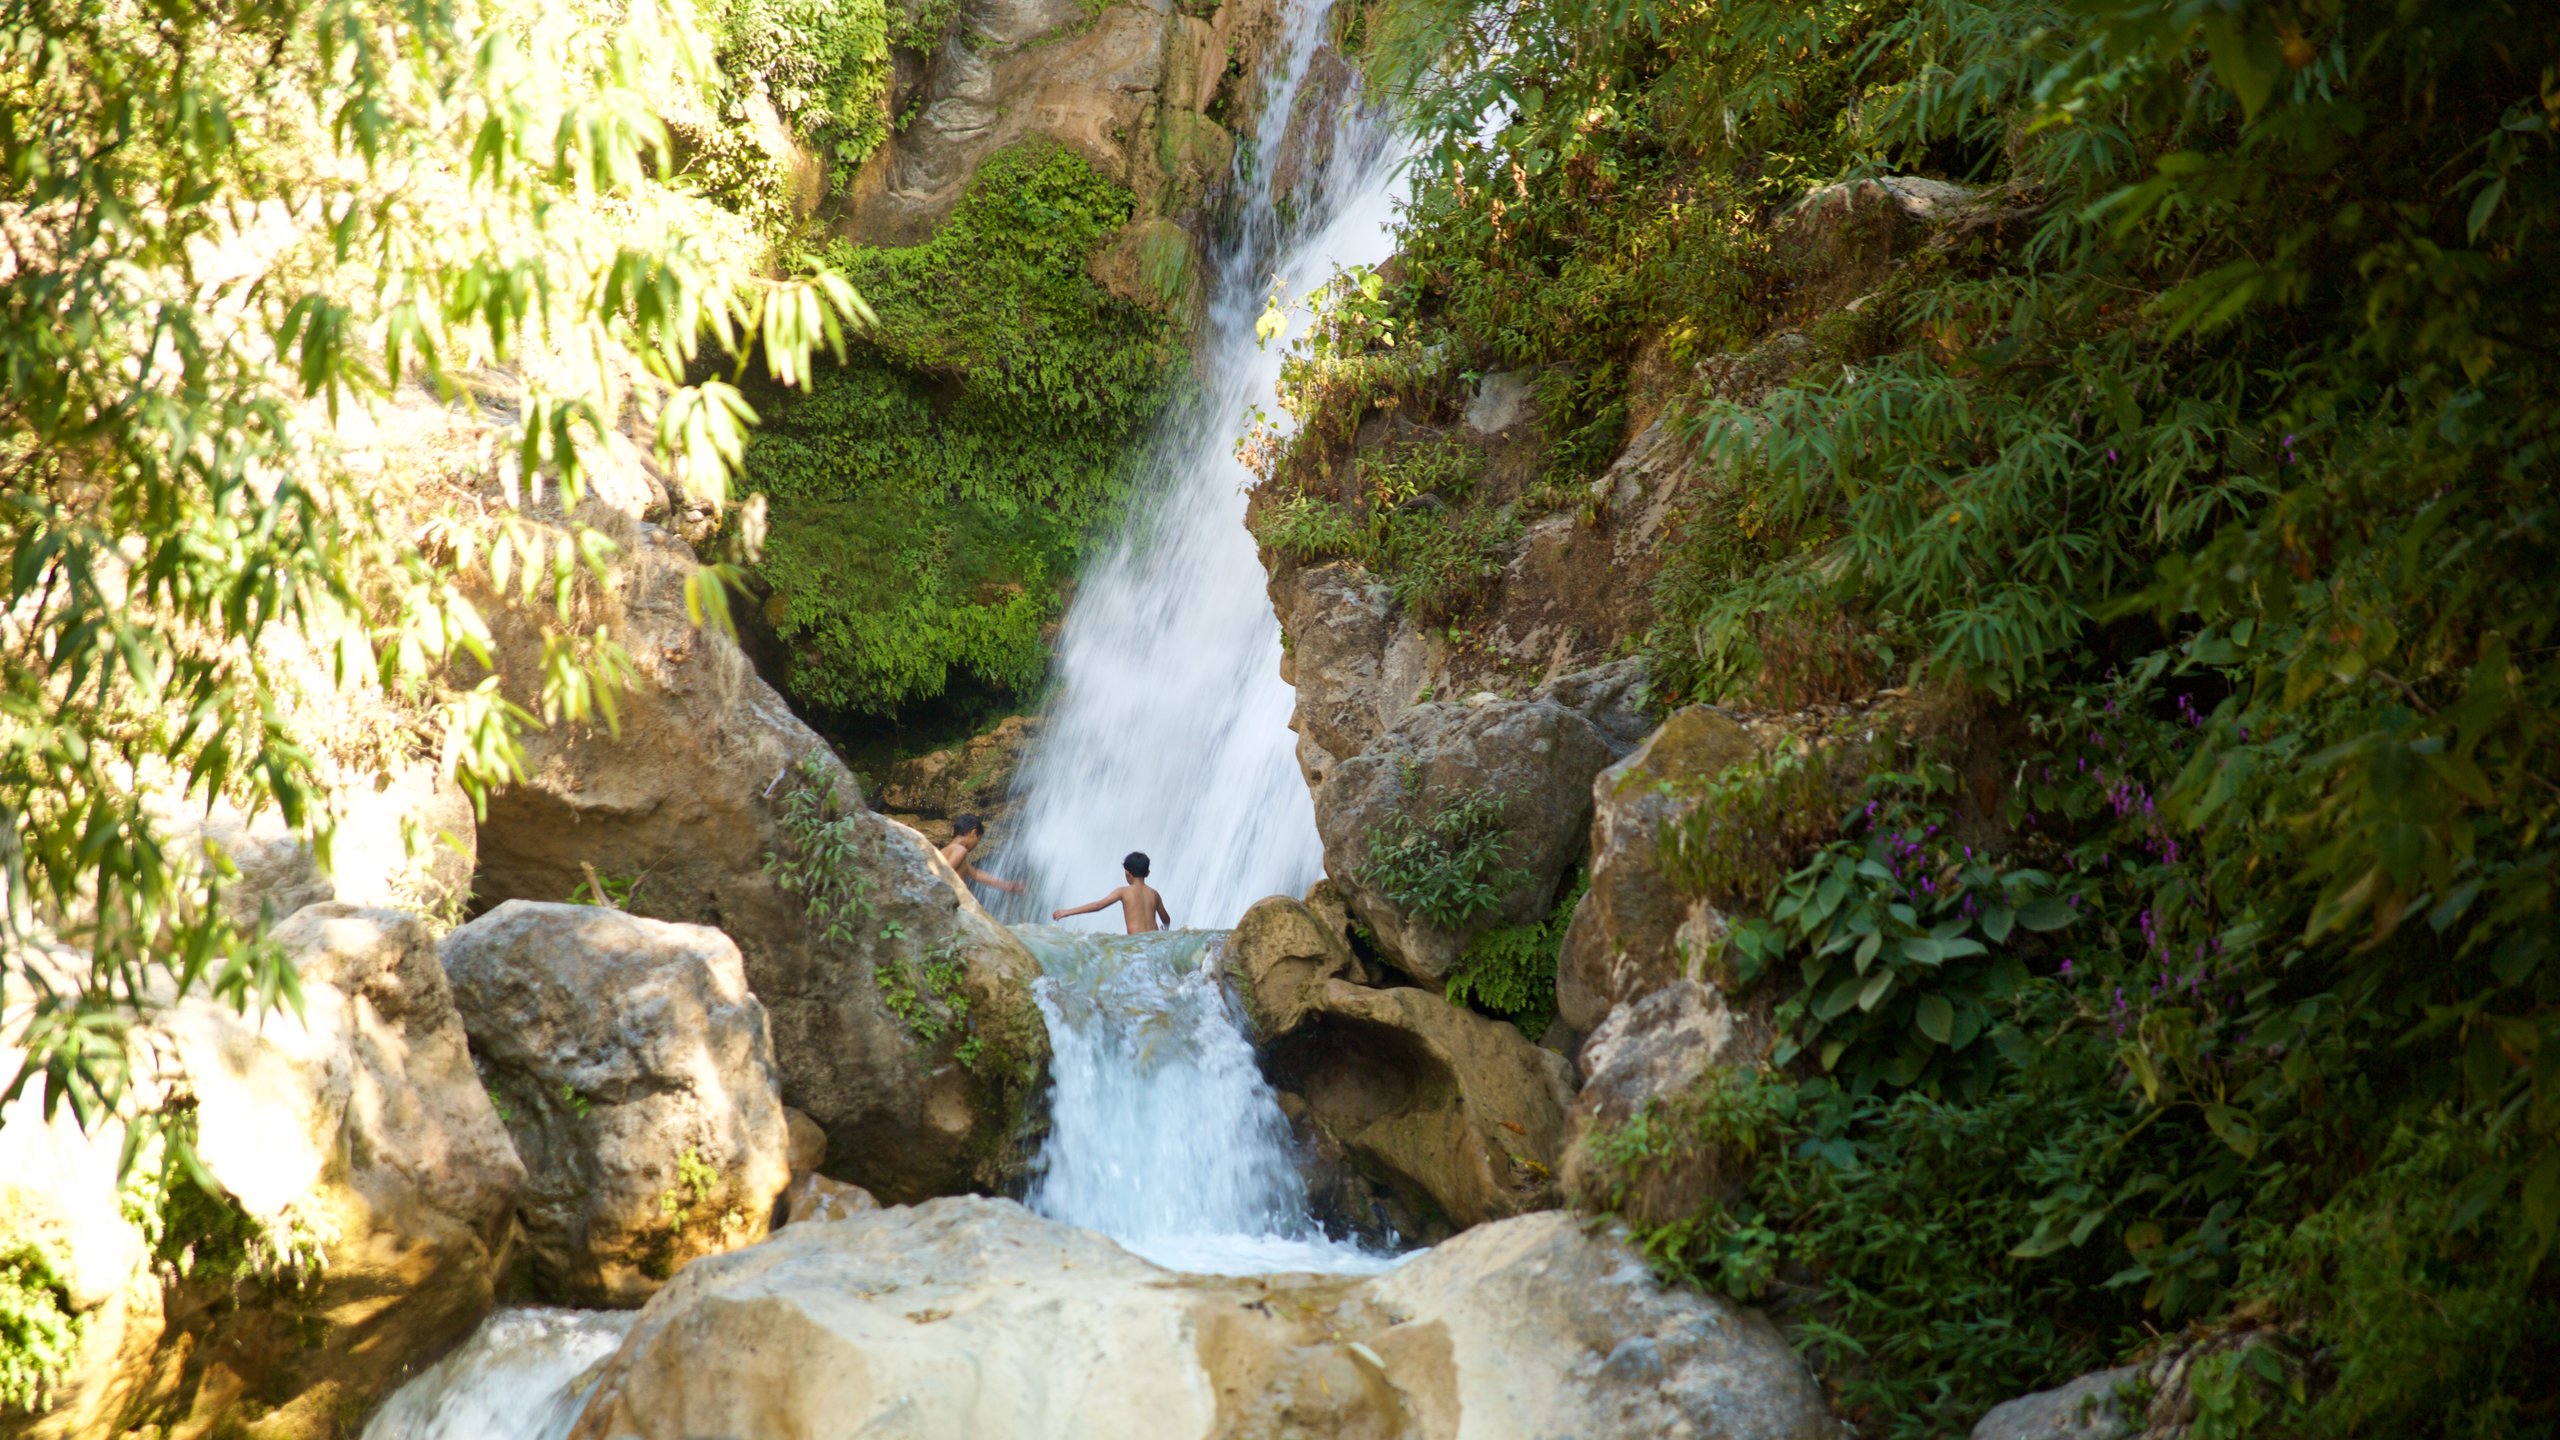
(1935, 1018)
(2045, 913)
(1996, 921)
(2244, 56)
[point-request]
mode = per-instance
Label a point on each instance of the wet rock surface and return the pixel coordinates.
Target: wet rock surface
(972, 1317)
(636, 1074)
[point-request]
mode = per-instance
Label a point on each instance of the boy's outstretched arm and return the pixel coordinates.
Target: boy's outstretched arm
(1110, 899)
(1010, 887)
(1164, 917)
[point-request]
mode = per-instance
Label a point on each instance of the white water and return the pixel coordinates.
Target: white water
(523, 1375)
(1169, 729)
(1162, 1134)
(1169, 733)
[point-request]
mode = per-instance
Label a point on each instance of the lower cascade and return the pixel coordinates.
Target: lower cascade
(1163, 1134)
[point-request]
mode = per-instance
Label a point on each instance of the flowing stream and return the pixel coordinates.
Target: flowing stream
(1169, 734)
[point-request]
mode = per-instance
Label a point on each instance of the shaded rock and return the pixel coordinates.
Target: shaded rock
(1456, 1116)
(356, 1135)
(1663, 1054)
(1844, 239)
(1356, 667)
(1532, 1327)
(2088, 1408)
(689, 803)
(1535, 757)
(637, 1077)
(1625, 938)
(2153, 1400)
(1502, 400)
(813, 1199)
(973, 777)
(808, 1142)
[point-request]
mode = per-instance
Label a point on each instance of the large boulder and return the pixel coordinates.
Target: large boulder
(1659, 1058)
(636, 1074)
(714, 805)
(1131, 87)
(365, 1206)
(1455, 1115)
(966, 1318)
(1627, 934)
(1534, 759)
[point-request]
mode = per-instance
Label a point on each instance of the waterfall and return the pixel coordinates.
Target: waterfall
(1169, 733)
(1169, 728)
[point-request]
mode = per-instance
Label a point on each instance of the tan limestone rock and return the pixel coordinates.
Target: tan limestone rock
(1624, 939)
(689, 804)
(1457, 1115)
(967, 1318)
(356, 1131)
(638, 1079)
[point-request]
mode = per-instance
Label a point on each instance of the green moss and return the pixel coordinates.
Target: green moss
(39, 1331)
(929, 495)
(823, 63)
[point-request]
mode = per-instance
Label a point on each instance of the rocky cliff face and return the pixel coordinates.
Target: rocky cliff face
(1148, 92)
(714, 805)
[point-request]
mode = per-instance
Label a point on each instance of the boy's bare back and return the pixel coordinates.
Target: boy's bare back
(1140, 905)
(1141, 908)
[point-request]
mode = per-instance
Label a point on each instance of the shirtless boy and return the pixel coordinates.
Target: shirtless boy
(1139, 904)
(966, 833)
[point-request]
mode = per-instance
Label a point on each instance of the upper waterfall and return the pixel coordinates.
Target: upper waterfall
(1169, 727)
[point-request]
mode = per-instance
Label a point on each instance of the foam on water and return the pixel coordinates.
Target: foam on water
(1163, 1134)
(523, 1375)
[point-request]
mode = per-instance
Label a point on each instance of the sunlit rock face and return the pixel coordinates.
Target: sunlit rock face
(969, 1317)
(687, 804)
(354, 1136)
(636, 1074)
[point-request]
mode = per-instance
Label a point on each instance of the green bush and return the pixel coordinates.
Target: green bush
(823, 63)
(1449, 868)
(2210, 446)
(1510, 970)
(929, 496)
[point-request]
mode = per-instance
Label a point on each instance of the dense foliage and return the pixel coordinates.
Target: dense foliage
(931, 493)
(233, 236)
(2204, 456)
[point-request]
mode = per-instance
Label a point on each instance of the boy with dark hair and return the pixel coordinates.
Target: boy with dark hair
(967, 831)
(1140, 906)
